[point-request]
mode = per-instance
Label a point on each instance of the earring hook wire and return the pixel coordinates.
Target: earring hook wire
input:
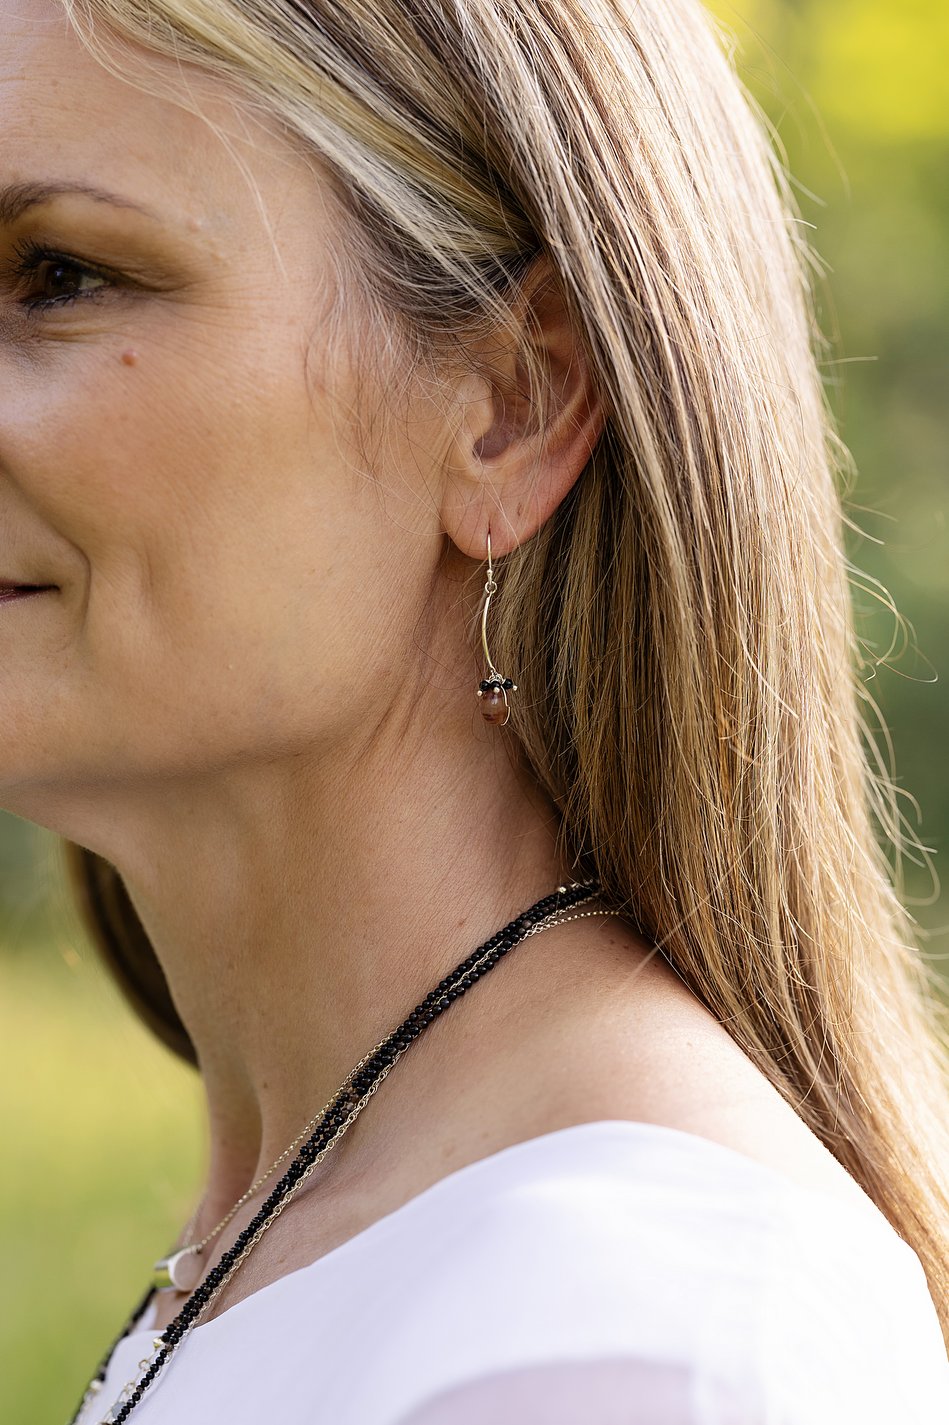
(489, 589)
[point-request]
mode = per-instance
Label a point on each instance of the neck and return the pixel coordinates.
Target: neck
(300, 913)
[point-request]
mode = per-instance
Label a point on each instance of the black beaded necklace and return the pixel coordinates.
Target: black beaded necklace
(348, 1103)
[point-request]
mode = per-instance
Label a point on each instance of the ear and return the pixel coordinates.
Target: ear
(505, 468)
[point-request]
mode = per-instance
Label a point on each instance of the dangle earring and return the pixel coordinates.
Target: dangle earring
(493, 689)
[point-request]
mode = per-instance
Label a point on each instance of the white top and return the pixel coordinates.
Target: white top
(609, 1273)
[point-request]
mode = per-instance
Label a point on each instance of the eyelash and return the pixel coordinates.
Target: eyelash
(33, 254)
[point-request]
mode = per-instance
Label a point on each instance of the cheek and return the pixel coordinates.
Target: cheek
(235, 578)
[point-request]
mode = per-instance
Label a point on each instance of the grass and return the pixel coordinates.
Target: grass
(104, 1151)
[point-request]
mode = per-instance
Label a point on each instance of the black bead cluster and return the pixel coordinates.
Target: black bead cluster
(487, 684)
(448, 989)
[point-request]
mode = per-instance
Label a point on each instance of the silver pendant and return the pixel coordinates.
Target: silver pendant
(181, 1271)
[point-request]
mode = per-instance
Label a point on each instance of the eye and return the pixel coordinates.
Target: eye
(61, 271)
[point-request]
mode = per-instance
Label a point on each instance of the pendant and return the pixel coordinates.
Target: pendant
(181, 1271)
(495, 708)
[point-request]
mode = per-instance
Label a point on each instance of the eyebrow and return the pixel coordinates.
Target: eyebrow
(17, 198)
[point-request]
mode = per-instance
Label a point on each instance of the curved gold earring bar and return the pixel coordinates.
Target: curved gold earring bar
(493, 689)
(489, 589)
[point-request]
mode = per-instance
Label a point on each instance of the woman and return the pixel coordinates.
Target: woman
(407, 363)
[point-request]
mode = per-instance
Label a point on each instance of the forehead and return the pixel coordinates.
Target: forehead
(65, 116)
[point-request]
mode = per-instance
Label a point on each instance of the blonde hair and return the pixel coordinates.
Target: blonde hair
(682, 622)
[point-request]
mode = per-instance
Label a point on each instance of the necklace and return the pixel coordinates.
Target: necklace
(329, 1125)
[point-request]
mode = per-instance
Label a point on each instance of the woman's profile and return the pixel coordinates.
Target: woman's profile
(426, 620)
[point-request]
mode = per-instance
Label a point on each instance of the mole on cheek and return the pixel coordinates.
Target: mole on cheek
(130, 357)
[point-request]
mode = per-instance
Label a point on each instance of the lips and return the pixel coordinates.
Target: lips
(9, 590)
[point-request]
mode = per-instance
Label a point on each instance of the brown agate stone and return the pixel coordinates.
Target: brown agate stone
(493, 706)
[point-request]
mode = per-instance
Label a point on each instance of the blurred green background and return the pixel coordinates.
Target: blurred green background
(102, 1128)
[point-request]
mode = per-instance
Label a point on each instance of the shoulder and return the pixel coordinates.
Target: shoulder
(660, 1204)
(643, 1047)
(612, 1264)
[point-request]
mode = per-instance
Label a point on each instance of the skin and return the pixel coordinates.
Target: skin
(252, 687)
